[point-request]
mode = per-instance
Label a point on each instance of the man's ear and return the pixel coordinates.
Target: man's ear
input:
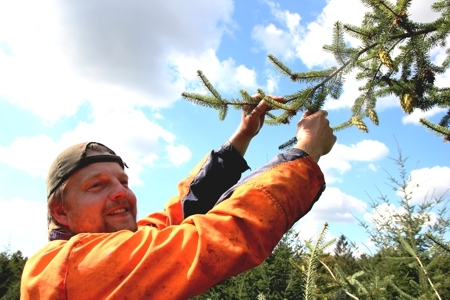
(59, 213)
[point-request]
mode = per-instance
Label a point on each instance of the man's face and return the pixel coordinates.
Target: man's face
(98, 200)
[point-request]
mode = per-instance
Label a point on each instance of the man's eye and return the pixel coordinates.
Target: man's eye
(95, 185)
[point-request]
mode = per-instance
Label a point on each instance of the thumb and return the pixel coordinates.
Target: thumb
(260, 108)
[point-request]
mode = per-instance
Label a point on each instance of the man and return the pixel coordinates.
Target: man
(212, 230)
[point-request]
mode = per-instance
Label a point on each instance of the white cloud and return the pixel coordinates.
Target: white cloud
(25, 223)
(341, 157)
(429, 183)
(333, 207)
(139, 147)
(272, 82)
(442, 79)
(66, 53)
(420, 11)
(386, 216)
(31, 82)
(224, 75)
(36, 162)
(318, 33)
(383, 214)
(178, 155)
(373, 167)
(417, 114)
(438, 54)
(279, 41)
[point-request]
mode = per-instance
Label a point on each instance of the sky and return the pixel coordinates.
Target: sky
(114, 71)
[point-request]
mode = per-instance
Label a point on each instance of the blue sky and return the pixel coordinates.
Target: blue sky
(113, 71)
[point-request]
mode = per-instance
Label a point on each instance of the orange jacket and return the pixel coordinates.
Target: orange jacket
(172, 257)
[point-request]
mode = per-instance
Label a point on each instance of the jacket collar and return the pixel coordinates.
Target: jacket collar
(59, 235)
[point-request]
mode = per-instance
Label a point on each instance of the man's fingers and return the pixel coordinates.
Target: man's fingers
(260, 108)
(309, 113)
(277, 98)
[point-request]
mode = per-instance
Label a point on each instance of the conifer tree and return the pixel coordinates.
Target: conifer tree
(343, 255)
(11, 267)
(393, 58)
(310, 264)
(402, 237)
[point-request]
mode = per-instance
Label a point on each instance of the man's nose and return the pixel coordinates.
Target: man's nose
(118, 191)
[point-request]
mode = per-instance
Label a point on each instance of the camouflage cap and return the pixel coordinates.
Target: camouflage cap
(73, 159)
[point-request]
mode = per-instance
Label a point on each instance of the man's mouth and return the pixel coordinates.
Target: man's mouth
(117, 211)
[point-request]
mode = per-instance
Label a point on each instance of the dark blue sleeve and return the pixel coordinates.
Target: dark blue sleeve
(221, 171)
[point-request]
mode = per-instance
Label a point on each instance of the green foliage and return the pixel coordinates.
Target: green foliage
(392, 59)
(406, 238)
(312, 258)
(11, 267)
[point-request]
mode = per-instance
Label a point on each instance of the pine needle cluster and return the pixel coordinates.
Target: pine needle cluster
(393, 59)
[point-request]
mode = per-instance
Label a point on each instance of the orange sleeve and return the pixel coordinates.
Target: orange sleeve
(180, 261)
(173, 210)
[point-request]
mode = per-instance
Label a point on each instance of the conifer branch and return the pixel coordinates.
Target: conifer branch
(446, 248)
(436, 129)
(208, 85)
(382, 32)
(279, 65)
(350, 28)
(413, 253)
(313, 259)
(202, 100)
(387, 8)
(337, 281)
(288, 144)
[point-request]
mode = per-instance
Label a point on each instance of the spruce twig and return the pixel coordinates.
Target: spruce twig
(385, 31)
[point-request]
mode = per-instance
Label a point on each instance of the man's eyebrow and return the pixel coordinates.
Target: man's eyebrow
(123, 175)
(93, 176)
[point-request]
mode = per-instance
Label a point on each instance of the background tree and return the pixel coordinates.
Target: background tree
(343, 255)
(11, 267)
(400, 232)
(393, 58)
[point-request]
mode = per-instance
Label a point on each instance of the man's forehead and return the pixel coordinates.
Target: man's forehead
(99, 169)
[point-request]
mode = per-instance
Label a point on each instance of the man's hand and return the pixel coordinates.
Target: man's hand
(250, 124)
(314, 134)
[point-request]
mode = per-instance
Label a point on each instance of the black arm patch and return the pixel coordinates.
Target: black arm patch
(222, 170)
